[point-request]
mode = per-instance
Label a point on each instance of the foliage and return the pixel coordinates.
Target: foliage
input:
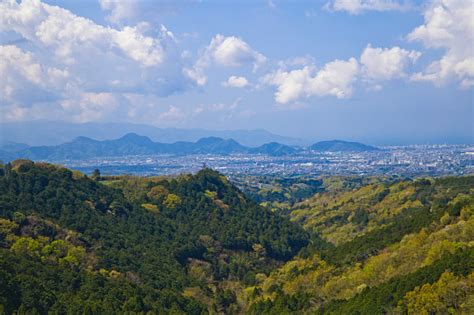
(194, 244)
(380, 299)
(447, 295)
(116, 239)
(407, 242)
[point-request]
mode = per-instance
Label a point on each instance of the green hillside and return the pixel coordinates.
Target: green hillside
(196, 244)
(381, 247)
(70, 243)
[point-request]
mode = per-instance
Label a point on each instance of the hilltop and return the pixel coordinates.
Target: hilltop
(341, 146)
(131, 244)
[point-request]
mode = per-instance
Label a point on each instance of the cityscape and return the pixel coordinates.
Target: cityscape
(411, 161)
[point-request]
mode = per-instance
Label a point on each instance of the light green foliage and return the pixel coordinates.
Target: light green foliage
(211, 194)
(29, 246)
(151, 207)
(7, 230)
(340, 215)
(158, 193)
(172, 201)
(449, 295)
(323, 282)
(415, 251)
(57, 251)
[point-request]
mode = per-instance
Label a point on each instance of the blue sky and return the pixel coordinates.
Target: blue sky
(378, 71)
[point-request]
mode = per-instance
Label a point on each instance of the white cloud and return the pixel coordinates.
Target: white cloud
(296, 62)
(119, 10)
(90, 106)
(23, 79)
(334, 79)
(237, 82)
(15, 63)
(67, 56)
(224, 51)
(380, 64)
(359, 6)
(133, 11)
(233, 52)
(449, 26)
(66, 33)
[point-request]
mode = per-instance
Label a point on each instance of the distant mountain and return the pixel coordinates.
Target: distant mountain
(341, 146)
(275, 149)
(133, 144)
(6, 156)
(41, 132)
(218, 146)
(13, 146)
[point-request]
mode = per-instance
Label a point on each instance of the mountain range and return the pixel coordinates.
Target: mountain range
(133, 144)
(40, 132)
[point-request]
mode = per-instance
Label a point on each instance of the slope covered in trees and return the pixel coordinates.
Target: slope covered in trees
(412, 232)
(136, 250)
(195, 244)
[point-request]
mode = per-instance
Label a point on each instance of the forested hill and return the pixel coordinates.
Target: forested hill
(195, 244)
(384, 247)
(71, 244)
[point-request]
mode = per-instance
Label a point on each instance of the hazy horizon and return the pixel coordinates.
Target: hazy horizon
(49, 132)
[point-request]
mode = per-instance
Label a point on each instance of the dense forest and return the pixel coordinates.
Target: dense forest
(197, 244)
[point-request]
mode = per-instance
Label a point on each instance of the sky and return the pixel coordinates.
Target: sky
(376, 71)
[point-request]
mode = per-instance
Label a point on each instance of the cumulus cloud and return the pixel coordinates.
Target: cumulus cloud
(359, 6)
(448, 26)
(334, 79)
(23, 79)
(300, 61)
(233, 52)
(380, 64)
(119, 10)
(90, 106)
(66, 33)
(16, 67)
(237, 82)
(227, 52)
(63, 56)
(133, 11)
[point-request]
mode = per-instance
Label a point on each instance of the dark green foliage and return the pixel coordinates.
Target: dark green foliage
(96, 174)
(32, 286)
(127, 238)
(283, 304)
